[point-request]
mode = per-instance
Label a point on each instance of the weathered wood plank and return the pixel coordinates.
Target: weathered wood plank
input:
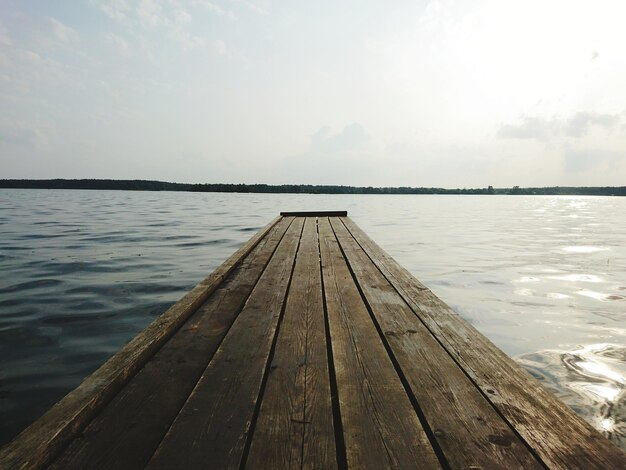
(380, 427)
(468, 430)
(559, 437)
(294, 428)
(315, 214)
(128, 430)
(42, 440)
(400, 361)
(212, 427)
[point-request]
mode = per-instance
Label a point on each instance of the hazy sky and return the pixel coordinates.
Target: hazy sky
(421, 93)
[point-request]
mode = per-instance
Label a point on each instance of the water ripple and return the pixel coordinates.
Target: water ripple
(82, 272)
(592, 380)
(30, 285)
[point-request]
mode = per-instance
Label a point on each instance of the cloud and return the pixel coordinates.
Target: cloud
(581, 150)
(182, 17)
(30, 58)
(219, 47)
(118, 10)
(542, 129)
(351, 137)
(529, 128)
(19, 133)
(150, 14)
(119, 44)
(187, 40)
(5, 40)
(579, 161)
(63, 33)
(214, 8)
(342, 157)
(579, 124)
(261, 7)
(166, 18)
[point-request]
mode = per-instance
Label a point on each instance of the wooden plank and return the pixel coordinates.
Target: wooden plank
(468, 430)
(559, 437)
(129, 429)
(43, 439)
(294, 428)
(315, 214)
(380, 427)
(213, 424)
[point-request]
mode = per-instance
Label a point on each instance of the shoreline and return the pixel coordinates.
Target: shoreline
(151, 185)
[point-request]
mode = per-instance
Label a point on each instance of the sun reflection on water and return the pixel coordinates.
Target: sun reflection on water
(604, 391)
(584, 249)
(592, 379)
(607, 424)
(578, 278)
(598, 295)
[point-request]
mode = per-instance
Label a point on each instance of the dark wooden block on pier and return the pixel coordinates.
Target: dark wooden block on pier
(310, 348)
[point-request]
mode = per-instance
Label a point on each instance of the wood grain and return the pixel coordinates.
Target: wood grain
(295, 424)
(237, 373)
(315, 214)
(128, 430)
(213, 424)
(42, 440)
(468, 430)
(380, 426)
(560, 438)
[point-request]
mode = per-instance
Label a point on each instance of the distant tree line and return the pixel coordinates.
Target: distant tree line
(144, 185)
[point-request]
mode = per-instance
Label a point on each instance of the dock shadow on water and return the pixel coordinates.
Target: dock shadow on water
(591, 380)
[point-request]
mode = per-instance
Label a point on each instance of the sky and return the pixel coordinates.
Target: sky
(403, 93)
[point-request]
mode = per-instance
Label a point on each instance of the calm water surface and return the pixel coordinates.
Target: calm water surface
(82, 272)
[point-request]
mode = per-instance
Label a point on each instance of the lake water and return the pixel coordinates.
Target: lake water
(82, 272)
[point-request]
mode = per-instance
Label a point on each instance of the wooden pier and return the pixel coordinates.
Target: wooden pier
(310, 348)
